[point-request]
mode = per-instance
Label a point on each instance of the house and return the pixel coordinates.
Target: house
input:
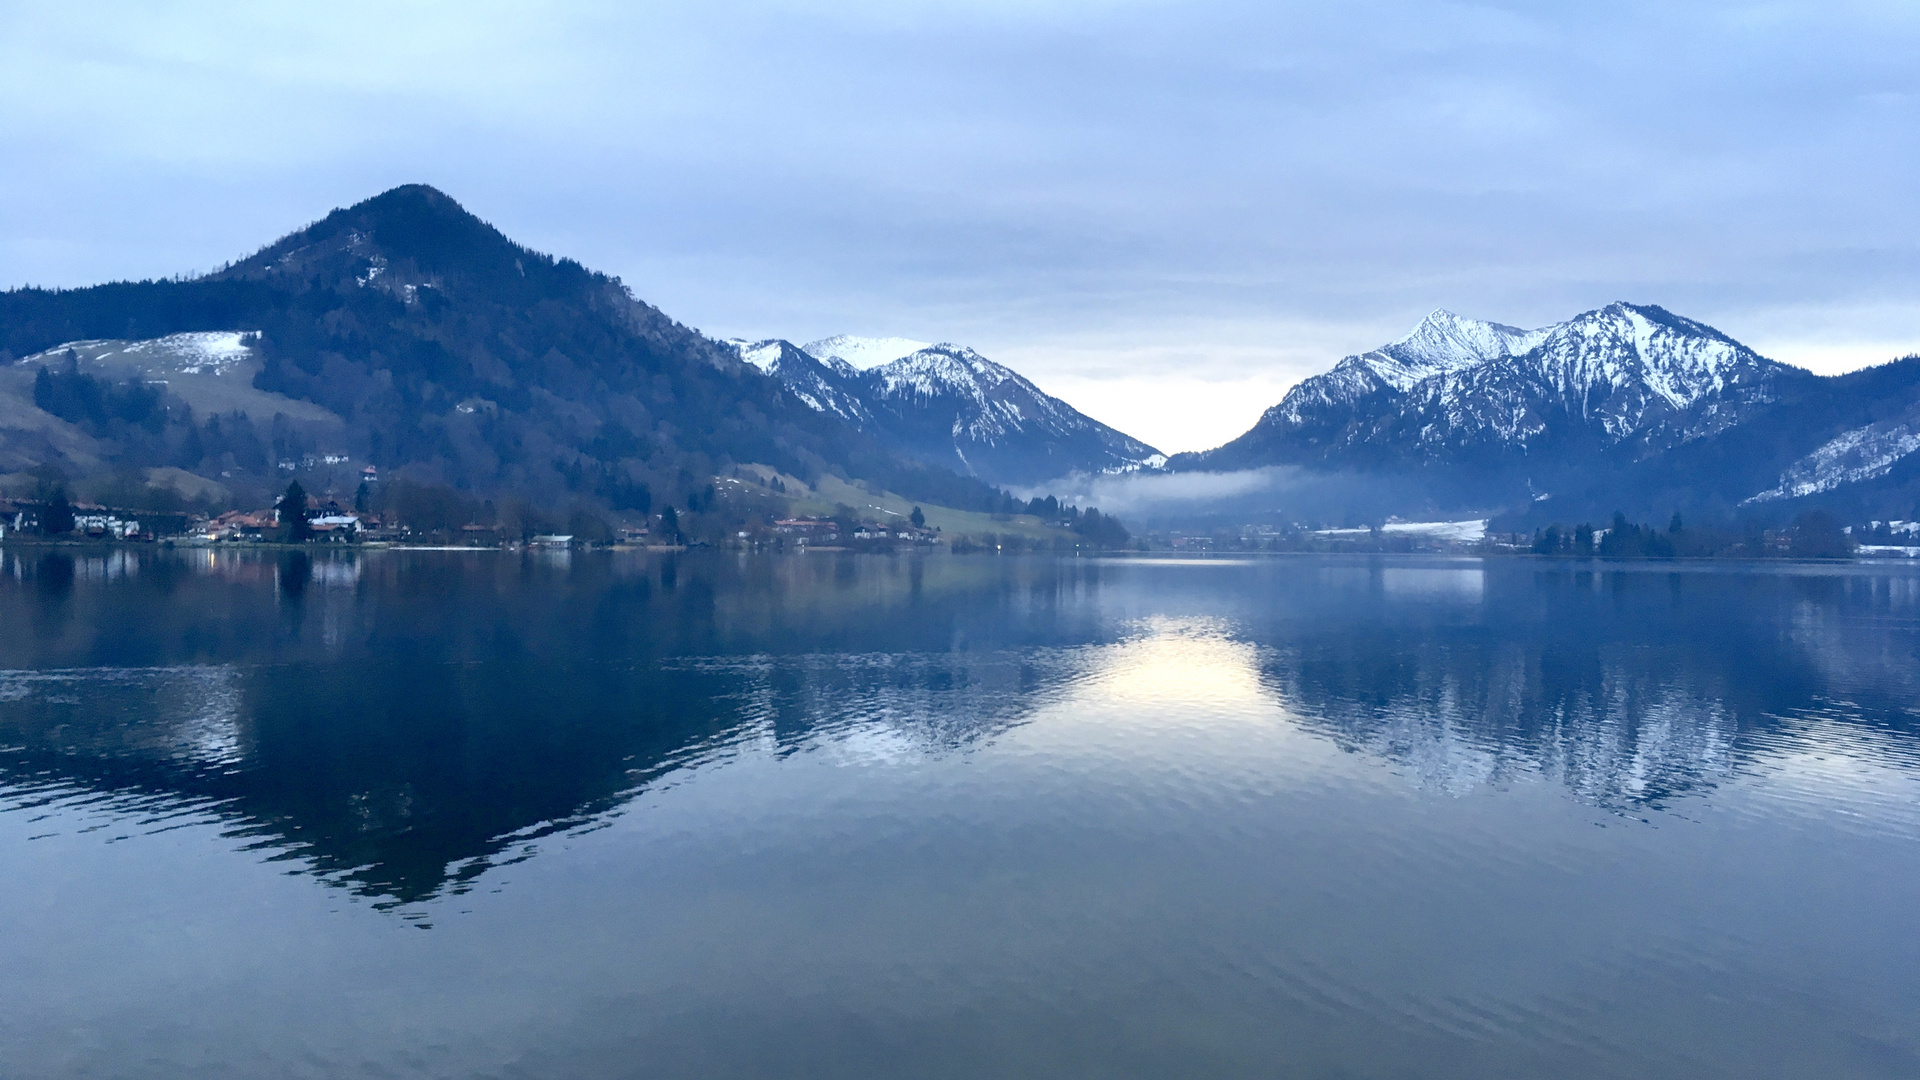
(244, 525)
(105, 526)
(337, 527)
(806, 529)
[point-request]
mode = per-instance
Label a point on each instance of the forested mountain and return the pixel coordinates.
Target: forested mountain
(947, 405)
(406, 333)
(1626, 405)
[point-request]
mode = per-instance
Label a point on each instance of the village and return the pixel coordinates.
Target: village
(330, 519)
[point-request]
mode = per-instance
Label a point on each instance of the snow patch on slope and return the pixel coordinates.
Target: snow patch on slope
(1861, 454)
(213, 351)
(761, 354)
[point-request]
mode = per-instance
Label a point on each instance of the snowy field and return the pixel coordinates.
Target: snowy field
(1452, 532)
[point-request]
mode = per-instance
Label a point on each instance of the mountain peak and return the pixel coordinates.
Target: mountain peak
(1444, 342)
(950, 406)
(415, 237)
(863, 352)
(1439, 319)
(1446, 336)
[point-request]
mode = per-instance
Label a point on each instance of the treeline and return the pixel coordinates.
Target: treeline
(82, 399)
(1095, 528)
(435, 511)
(1812, 535)
(34, 319)
(1017, 544)
(143, 426)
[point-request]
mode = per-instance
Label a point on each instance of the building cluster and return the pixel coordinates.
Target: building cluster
(817, 530)
(90, 520)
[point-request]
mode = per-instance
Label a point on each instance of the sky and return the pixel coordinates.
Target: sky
(1165, 213)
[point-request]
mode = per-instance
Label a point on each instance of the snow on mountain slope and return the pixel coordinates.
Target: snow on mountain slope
(1617, 374)
(863, 352)
(1445, 342)
(761, 354)
(949, 405)
(997, 423)
(828, 385)
(1622, 347)
(214, 351)
(1865, 453)
(213, 371)
(989, 401)
(1442, 343)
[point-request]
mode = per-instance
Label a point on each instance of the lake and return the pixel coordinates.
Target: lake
(491, 814)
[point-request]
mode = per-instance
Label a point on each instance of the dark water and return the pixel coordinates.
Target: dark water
(442, 814)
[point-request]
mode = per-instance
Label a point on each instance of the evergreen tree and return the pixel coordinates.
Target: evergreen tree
(670, 524)
(919, 519)
(361, 495)
(294, 526)
(57, 518)
(1815, 535)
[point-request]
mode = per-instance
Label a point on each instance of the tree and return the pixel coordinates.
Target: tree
(1815, 535)
(919, 519)
(1676, 525)
(294, 527)
(587, 527)
(57, 518)
(1583, 539)
(670, 524)
(48, 481)
(361, 495)
(1100, 530)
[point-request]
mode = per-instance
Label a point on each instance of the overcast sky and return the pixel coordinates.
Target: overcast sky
(1164, 212)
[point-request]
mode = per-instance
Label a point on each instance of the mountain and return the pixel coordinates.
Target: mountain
(406, 333)
(948, 406)
(864, 352)
(1616, 406)
(828, 386)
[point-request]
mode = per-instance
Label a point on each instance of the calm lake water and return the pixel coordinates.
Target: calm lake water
(503, 815)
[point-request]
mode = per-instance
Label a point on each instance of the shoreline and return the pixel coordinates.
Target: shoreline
(1157, 555)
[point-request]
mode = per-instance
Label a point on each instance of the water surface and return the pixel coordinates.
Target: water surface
(503, 815)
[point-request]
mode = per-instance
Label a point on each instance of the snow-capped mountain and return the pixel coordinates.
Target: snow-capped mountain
(864, 352)
(822, 385)
(1457, 388)
(948, 405)
(1624, 407)
(1443, 343)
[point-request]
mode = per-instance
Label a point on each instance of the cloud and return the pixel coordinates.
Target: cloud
(1276, 495)
(1129, 193)
(1137, 492)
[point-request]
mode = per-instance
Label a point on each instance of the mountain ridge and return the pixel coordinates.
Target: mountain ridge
(1604, 407)
(947, 405)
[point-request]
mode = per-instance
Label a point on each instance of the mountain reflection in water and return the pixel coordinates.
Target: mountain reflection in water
(400, 722)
